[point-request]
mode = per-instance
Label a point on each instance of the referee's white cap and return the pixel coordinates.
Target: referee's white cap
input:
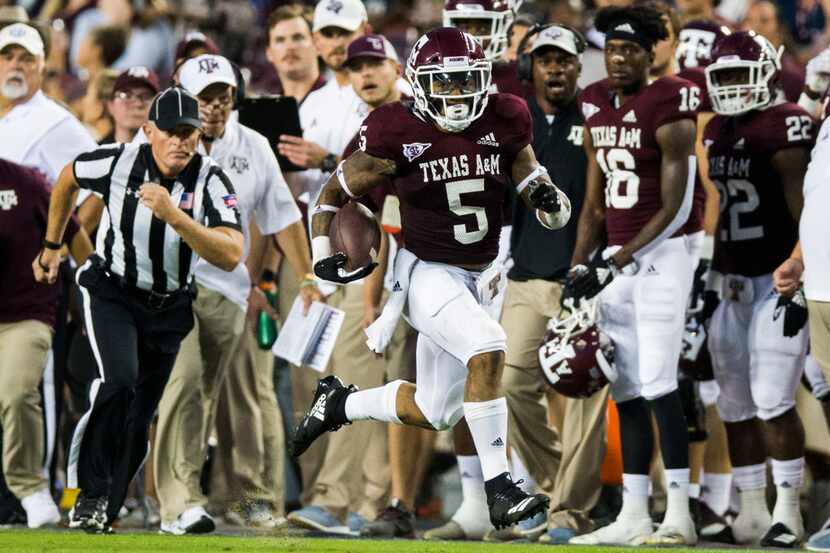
(198, 73)
(23, 35)
(345, 14)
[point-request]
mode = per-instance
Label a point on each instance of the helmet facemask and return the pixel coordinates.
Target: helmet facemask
(453, 95)
(731, 95)
(495, 43)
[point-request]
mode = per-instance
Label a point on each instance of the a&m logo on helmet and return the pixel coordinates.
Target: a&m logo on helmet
(208, 65)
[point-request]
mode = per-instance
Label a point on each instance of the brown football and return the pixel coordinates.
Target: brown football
(355, 232)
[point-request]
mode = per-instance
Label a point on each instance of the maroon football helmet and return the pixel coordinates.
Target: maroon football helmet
(450, 78)
(499, 13)
(695, 42)
(577, 359)
(753, 58)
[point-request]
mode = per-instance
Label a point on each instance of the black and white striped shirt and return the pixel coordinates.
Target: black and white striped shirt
(135, 245)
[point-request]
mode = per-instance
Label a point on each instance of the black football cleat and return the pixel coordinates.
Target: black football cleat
(781, 537)
(90, 514)
(509, 504)
(327, 413)
(710, 526)
(392, 522)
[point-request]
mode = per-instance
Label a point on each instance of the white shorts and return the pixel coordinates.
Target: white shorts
(644, 315)
(445, 306)
(757, 368)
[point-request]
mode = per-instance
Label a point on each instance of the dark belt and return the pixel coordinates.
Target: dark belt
(151, 298)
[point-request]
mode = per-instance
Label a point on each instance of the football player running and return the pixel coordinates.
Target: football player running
(758, 148)
(450, 156)
(640, 141)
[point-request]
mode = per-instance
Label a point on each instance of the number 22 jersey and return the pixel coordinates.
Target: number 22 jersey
(756, 231)
(625, 141)
(451, 186)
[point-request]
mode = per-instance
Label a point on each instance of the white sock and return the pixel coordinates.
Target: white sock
(474, 499)
(677, 494)
(377, 404)
(519, 472)
(694, 491)
(488, 425)
(716, 488)
(635, 496)
(788, 477)
(750, 477)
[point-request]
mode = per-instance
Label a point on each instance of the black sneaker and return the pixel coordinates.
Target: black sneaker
(780, 536)
(327, 413)
(509, 504)
(710, 526)
(90, 514)
(392, 522)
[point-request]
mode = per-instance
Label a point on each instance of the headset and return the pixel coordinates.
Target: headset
(524, 62)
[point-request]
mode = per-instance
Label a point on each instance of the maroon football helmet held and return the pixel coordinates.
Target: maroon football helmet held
(498, 13)
(754, 59)
(695, 42)
(450, 78)
(577, 359)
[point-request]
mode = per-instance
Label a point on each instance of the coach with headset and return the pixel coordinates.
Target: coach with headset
(565, 466)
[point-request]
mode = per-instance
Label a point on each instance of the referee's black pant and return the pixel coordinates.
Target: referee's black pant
(135, 338)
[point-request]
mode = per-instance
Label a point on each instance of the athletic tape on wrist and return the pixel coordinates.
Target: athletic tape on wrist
(539, 171)
(342, 180)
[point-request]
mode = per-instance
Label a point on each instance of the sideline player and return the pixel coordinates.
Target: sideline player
(640, 137)
(758, 147)
(450, 157)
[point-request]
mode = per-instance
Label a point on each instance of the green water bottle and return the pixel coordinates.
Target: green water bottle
(266, 328)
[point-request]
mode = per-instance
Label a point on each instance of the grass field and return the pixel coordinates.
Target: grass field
(55, 541)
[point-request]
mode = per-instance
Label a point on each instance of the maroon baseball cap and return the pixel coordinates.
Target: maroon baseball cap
(137, 76)
(195, 38)
(371, 46)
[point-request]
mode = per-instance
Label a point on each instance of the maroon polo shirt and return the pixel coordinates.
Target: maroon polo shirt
(24, 209)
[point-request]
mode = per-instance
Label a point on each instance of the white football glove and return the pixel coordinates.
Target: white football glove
(818, 73)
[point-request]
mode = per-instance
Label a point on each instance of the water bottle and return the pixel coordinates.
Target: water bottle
(266, 329)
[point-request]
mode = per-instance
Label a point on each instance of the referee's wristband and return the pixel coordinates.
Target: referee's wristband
(51, 245)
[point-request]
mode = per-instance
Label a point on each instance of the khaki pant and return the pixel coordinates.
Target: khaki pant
(23, 350)
(188, 406)
(819, 313)
(249, 427)
(340, 485)
(564, 461)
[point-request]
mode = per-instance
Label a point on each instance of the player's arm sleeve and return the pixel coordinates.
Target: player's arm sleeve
(219, 201)
(93, 170)
(276, 208)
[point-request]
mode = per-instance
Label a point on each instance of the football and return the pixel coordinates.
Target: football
(355, 232)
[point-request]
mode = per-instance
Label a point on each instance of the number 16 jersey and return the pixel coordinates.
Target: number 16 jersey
(451, 185)
(625, 141)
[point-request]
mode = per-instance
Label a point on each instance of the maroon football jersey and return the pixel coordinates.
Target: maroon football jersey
(756, 231)
(625, 140)
(504, 78)
(451, 186)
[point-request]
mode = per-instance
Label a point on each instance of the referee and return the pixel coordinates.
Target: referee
(166, 206)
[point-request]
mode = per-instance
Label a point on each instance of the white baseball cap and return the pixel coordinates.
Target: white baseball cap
(198, 73)
(346, 14)
(558, 37)
(22, 35)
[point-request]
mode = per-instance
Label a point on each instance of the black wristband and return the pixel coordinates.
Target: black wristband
(51, 245)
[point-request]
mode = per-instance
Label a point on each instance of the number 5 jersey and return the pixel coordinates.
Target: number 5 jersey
(756, 230)
(451, 185)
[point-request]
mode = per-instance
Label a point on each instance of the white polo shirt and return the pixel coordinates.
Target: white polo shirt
(330, 117)
(261, 191)
(43, 135)
(814, 227)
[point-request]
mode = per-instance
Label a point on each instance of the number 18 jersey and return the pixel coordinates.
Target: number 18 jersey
(756, 231)
(625, 140)
(451, 186)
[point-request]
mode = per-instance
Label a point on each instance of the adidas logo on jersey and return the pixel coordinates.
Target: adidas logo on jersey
(630, 117)
(397, 287)
(651, 270)
(319, 409)
(498, 442)
(739, 145)
(488, 140)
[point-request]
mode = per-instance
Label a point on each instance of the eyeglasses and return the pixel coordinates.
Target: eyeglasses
(220, 102)
(127, 96)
